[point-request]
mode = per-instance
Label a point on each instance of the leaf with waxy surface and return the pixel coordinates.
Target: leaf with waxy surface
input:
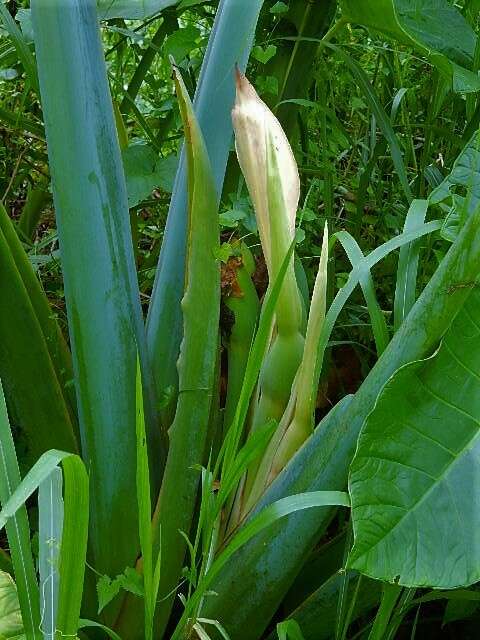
(413, 481)
(101, 287)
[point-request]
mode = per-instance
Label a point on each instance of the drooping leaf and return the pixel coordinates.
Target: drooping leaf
(71, 565)
(412, 481)
(434, 27)
(264, 519)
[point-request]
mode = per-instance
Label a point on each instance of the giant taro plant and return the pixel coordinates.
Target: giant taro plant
(221, 505)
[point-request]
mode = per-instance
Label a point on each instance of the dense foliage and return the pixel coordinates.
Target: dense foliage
(239, 350)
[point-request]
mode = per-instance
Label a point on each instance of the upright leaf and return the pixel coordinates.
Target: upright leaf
(253, 584)
(197, 361)
(18, 532)
(405, 289)
(229, 44)
(434, 27)
(101, 288)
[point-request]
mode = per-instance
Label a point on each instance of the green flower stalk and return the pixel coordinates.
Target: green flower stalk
(287, 385)
(271, 174)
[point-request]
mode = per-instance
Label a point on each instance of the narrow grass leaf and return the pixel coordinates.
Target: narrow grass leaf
(377, 318)
(406, 284)
(24, 54)
(73, 550)
(381, 116)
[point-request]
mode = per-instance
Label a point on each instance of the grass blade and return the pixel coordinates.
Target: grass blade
(74, 545)
(381, 116)
(379, 324)
(261, 521)
(24, 54)
(18, 531)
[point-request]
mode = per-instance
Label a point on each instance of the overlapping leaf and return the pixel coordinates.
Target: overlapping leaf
(413, 481)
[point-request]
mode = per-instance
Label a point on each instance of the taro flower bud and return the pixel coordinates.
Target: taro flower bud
(255, 127)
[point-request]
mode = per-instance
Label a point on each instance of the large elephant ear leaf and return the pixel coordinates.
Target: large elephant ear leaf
(434, 27)
(414, 478)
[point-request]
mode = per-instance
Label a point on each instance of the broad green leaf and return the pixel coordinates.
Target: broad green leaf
(179, 43)
(197, 361)
(107, 588)
(413, 478)
(229, 44)
(434, 27)
(18, 531)
(11, 624)
(252, 585)
(131, 9)
(101, 287)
